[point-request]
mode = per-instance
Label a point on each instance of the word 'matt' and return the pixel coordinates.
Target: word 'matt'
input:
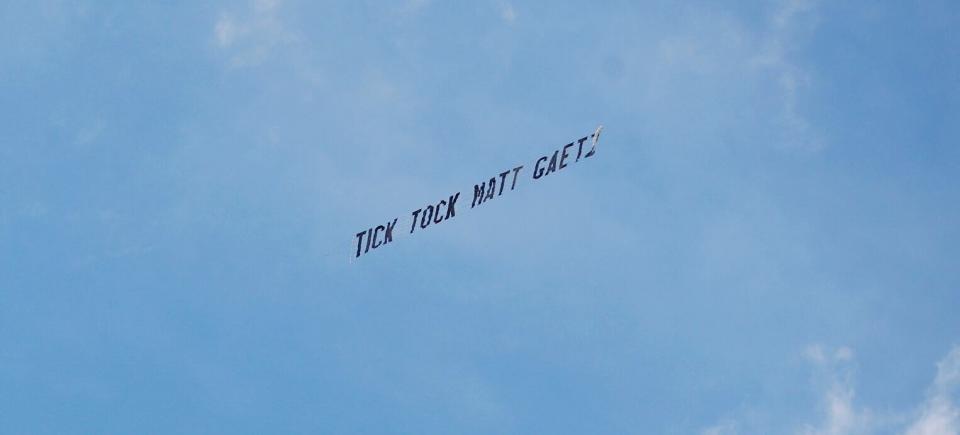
(486, 189)
(446, 209)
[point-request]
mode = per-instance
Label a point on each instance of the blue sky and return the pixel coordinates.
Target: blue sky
(766, 241)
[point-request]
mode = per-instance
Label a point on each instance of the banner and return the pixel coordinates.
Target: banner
(445, 209)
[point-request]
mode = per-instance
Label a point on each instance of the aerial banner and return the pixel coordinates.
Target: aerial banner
(446, 208)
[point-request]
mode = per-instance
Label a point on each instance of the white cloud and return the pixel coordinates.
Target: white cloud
(843, 354)
(937, 415)
(818, 356)
(939, 418)
(754, 66)
(266, 5)
(251, 36)
(226, 31)
(784, 25)
(722, 428)
(789, 9)
(814, 354)
(90, 133)
(508, 13)
(841, 415)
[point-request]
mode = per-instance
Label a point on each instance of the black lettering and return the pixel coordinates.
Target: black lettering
(376, 233)
(580, 147)
(503, 181)
(537, 170)
(516, 171)
(414, 225)
(451, 212)
(388, 236)
(368, 240)
(360, 241)
(478, 194)
(564, 155)
(553, 163)
(593, 149)
(491, 186)
(437, 217)
(427, 216)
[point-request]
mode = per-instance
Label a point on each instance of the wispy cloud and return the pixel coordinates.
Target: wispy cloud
(507, 12)
(722, 428)
(753, 65)
(937, 415)
(250, 36)
(841, 416)
(415, 5)
(790, 19)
